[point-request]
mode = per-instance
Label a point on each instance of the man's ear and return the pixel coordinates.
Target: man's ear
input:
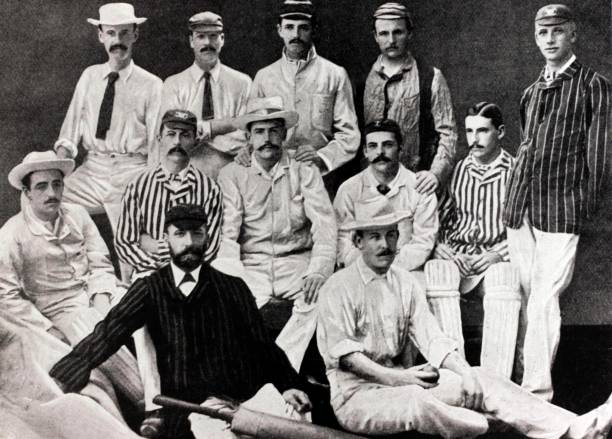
(357, 239)
(501, 131)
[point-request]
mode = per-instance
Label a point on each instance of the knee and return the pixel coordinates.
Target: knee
(502, 279)
(441, 276)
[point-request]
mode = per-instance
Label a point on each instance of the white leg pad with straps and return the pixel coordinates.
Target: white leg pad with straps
(443, 278)
(502, 303)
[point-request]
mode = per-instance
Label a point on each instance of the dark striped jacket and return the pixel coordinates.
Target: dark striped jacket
(143, 211)
(212, 342)
(562, 163)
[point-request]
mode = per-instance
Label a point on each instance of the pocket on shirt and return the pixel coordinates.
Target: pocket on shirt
(322, 111)
(297, 214)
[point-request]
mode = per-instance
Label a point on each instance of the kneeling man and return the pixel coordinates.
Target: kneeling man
(278, 223)
(209, 336)
(368, 313)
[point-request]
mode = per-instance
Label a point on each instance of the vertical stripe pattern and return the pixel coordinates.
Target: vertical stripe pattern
(145, 203)
(212, 342)
(561, 162)
(472, 207)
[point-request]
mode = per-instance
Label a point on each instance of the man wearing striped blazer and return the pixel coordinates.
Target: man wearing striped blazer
(472, 252)
(556, 184)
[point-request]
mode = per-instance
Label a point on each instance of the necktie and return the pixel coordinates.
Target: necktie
(383, 189)
(208, 111)
(106, 108)
(187, 278)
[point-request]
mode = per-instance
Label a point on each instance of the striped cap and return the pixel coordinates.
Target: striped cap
(301, 8)
(392, 11)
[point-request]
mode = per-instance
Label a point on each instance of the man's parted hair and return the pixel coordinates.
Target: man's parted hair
(26, 181)
(488, 110)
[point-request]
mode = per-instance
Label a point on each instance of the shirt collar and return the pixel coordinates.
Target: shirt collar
(162, 174)
(367, 274)
(124, 74)
(548, 73)
(282, 164)
(39, 228)
(312, 54)
(409, 62)
(198, 74)
(178, 274)
(398, 181)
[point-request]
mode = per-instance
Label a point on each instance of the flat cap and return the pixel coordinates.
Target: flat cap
(181, 118)
(550, 15)
(299, 8)
(186, 216)
(207, 20)
(393, 11)
(387, 125)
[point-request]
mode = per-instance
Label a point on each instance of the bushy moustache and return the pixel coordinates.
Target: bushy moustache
(381, 158)
(476, 145)
(208, 49)
(268, 145)
(177, 150)
(52, 201)
(118, 46)
(387, 252)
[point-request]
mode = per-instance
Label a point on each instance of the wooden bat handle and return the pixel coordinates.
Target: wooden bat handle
(166, 401)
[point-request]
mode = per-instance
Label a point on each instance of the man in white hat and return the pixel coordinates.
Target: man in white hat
(327, 134)
(413, 94)
(557, 184)
(113, 114)
(213, 92)
(278, 223)
(387, 182)
(55, 272)
(368, 313)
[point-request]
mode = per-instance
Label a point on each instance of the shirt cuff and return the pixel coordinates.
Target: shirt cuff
(343, 348)
(69, 145)
(439, 350)
(328, 163)
(204, 130)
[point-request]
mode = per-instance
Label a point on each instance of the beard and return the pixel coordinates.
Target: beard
(188, 259)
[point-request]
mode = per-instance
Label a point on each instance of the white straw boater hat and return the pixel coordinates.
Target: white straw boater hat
(370, 217)
(261, 109)
(115, 14)
(39, 161)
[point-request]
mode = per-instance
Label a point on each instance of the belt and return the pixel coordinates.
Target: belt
(113, 155)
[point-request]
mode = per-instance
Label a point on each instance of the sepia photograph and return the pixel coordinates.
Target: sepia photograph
(306, 219)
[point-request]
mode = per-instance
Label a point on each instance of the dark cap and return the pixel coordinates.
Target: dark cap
(206, 21)
(393, 11)
(550, 15)
(186, 216)
(387, 125)
(297, 9)
(180, 119)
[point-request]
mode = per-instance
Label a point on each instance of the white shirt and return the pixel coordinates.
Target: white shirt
(549, 75)
(178, 274)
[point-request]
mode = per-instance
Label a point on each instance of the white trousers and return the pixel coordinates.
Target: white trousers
(546, 265)
(380, 409)
(98, 184)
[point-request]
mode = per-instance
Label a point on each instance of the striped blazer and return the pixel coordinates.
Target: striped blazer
(143, 211)
(561, 164)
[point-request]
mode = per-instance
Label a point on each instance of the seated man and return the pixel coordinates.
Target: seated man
(208, 334)
(369, 311)
(55, 272)
(278, 223)
(387, 182)
(472, 250)
(139, 239)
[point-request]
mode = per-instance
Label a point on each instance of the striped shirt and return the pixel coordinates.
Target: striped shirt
(561, 162)
(472, 206)
(143, 211)
(212, 342)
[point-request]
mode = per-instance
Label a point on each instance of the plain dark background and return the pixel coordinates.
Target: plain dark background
(485, 48)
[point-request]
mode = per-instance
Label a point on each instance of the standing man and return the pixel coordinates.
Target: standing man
(472, 251)
(55, 272)
(320, 91)
(209, 336)
(278, 224)
(213, 92)
(416, 96)
(113, 113)
(561, 167)
(387, 185)
(368, 314)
